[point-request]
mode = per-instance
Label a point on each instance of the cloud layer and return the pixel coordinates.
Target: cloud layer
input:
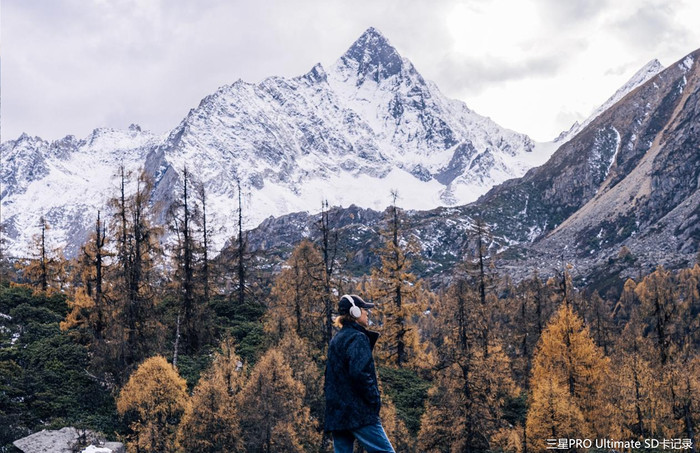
(70, 66)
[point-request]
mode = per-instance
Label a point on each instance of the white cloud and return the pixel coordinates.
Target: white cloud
(532, 65)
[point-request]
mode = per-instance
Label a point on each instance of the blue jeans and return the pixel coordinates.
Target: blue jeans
(371, 437)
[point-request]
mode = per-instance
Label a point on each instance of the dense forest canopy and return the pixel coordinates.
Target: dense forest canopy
(164, 346)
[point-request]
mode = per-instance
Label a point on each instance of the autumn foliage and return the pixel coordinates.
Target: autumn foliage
(273, 416)
(154, 400)
(568, 382)
(211, 423)
(196, 356)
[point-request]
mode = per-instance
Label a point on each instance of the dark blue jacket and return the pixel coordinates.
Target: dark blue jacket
(352, 394)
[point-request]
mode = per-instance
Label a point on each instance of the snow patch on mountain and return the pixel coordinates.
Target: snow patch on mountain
(687, 63)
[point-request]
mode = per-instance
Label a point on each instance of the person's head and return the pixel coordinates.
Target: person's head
(353, 308)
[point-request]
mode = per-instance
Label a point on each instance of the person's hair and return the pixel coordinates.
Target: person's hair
(343, 320)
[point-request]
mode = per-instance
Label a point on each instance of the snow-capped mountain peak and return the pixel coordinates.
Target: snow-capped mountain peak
(348, 133)
(372, 57)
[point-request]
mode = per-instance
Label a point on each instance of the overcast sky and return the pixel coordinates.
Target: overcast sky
(535, 66)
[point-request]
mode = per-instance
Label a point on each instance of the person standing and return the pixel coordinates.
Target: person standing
(352, 393)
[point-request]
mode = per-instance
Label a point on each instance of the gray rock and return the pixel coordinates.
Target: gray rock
(108, 447)
(67, 440)
(116, 447)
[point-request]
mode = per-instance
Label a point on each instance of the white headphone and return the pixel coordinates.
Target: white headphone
(355, 311)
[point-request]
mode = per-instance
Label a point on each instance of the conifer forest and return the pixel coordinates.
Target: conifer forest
(153, 338)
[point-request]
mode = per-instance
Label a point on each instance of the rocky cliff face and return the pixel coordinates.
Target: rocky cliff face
(650, 200)
(611, 151)
(66, 181)
(370, 123)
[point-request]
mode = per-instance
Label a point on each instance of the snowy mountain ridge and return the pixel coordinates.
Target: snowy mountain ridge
(647, 71)
(66, 181)
(348, 134)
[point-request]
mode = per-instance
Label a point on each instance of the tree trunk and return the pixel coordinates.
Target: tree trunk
(241, 245)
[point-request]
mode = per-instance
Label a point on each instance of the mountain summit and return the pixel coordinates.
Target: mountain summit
(618, 199)
(349, 133)
(372, 57)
